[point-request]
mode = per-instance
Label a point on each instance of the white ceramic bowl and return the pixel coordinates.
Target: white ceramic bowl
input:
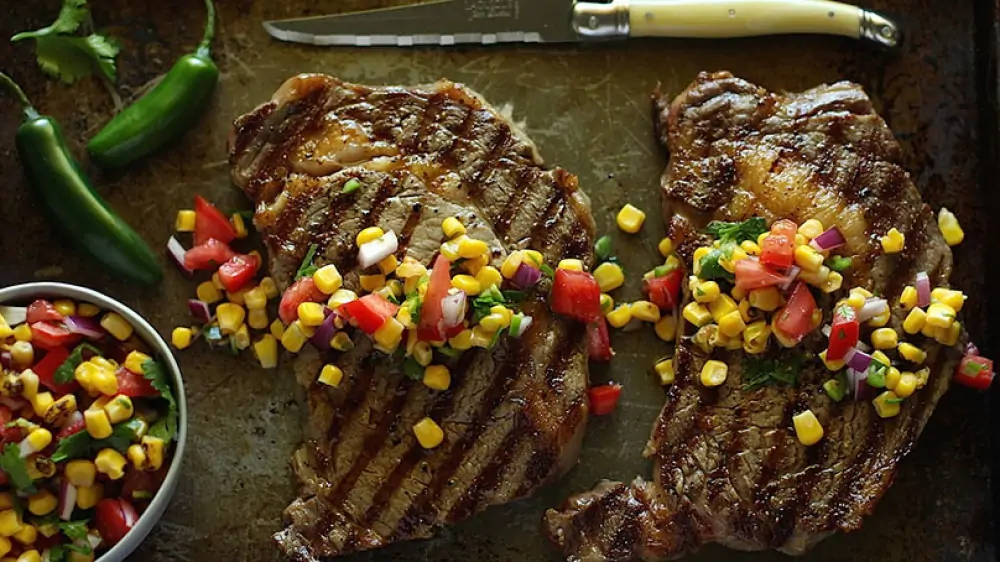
(22, 295)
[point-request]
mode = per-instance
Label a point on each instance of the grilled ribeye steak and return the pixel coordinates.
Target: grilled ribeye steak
(727, 465)
(514, 415)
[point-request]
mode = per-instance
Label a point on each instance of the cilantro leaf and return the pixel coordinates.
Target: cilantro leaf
(547, 270)
(412, 369)
(75, 530)
(81, 444)
(70, 57)
(71, 15)
(737, 232)
(56, 554)
(166, 427)
(415, 304)
(64, 373)
(710, 266)
(759, 372)
(16, 468)
(307, 268)
(839, 264)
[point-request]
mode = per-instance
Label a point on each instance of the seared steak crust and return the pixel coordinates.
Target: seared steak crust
(727, 465)
(514, 415)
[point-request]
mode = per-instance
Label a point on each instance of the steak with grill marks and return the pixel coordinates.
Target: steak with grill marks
(514, 415)
(727, 465)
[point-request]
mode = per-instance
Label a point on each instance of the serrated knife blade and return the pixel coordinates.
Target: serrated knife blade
(453, 22)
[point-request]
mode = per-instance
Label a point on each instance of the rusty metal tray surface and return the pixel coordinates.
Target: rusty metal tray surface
(588, 109)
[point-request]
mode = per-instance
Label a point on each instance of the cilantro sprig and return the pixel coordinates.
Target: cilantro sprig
(307, 268)
(166, 427)
(760, 372)
(67, 56)
(737, 232)
(16, 468)
(64, 373)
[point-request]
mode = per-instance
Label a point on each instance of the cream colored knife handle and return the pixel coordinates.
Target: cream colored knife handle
(731, 18)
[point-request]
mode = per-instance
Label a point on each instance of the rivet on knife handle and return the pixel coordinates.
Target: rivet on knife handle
(730, 18)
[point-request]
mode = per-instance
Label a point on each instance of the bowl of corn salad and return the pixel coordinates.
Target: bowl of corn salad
(93, 425)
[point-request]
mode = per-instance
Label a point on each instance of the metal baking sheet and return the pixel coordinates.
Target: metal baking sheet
(588, 109)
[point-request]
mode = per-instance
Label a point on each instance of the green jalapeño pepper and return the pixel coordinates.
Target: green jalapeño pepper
(70, 201)
(165, 112)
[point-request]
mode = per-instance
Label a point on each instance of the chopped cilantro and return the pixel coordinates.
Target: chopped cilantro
(759, 372)
(709, 266)
(449, 352)
(307, 268)
(839, 264)
(737, 232)
(56, 554)
(547, 270)
(412, 369)
(351, 185)
(496, 338)
(876, 374)
(16, 468)
(415, 304)
(75, 530)
(491, 297)
(166, 427)
(81, 444)
(64, 373)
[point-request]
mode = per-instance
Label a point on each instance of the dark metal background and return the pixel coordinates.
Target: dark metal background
(588, 110)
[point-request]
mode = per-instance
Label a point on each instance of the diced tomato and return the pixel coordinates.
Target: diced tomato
(843, 332)
(604, 398)
(72, 429)
(209, 222)
(43, 311)
(577, 295)
(114, 518)
(795, 319)
(50, 336)
(46, 370)
(431, 326)
(207, 256)
(777, 250)
(751, 274)
(785, 227)
(664, 291)
(9, 434)
(303, 290)
(975, 371)
(142, 481)
(598, 341)
(134, 385)
(370, 312)
(238, 271)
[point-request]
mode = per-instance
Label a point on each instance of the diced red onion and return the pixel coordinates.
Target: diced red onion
(26, 449)
(370, 253)
(862, 346)
(526, 276)
(859, 387)
(6, 359)
(971, 349)
(453, 309)
(923, 289)
(790, 276)
(177, 251)
(859, 361)
(828, 240)
(89, 328)
(72, 419)
(522, 327)
(12, 403)
(199, 310)
(826, 329)
(14, 315)
(67, 500)
(872, 308)
(324, 333)
(93, 540)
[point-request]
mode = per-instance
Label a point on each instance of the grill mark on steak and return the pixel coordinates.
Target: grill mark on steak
(411, 224)
(502, 220)
(727, 465)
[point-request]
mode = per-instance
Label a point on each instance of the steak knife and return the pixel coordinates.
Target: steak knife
(452, 22)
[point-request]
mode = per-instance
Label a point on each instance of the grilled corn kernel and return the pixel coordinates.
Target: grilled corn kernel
(277, 329)
(645, 311)
(705, 337)
(619, 316)
(666, 247)
(462, 340)
(38, 439)
(747, 313)
(699, 254)
(672, 263)
(87, 310)
(257, 318)
(480, 337)
(893, 241)
(390, 334)
(767, 299)
(89, 496)
(452, 227)
(238, 297)
(185, 221)
(387, 266)
(42, 503)
(706, 291)
(5, 330)
(269, 287)
(110, 463)
(885, 338)
(855, 301)
(949, 336)
(908, 298)
(811, 228)
(954, 299)
(609, 276)
(208, 292)
(906, 386)
(940, 315)
(10, 523)
(494, 322)
(630, 219)
(136, 456)
(119, 409)
(230, 316)
(66, 307)
(450, 250)
(750, 247)
(732, 325)
(311, 314)
(880, 319)
(340, 297)
(6, 546)
(22, 353)
(331, 375)
(469, 248)
(135, 360)
(117, 326)
(722, 306)
(6, 500)
(881, 357)
(371, 283)
(368, 234)
(255, 299)
(729, 263)
(831, 365)
(914, 321)
(807, 428)
(912, 353)
(816, 278)
(666, 328)
(833, 283)
(570, 264)
(22, 333)
(488, 276)
(437, 377)
(755, 336)
(886, 405)
(422, 353)
(98, 424)
(27, 536)
(950, 229)
(892, 378)
(808, 258)
(929, 331)
(714, 373)
(696, 314)
(429, 434)
(342, 342)
(466, 283)
(42, 402)
(534, 257)
(80, 472)
(665, 370)
(294, 337)
(266, 351)
(29, 383)
(510, 265)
